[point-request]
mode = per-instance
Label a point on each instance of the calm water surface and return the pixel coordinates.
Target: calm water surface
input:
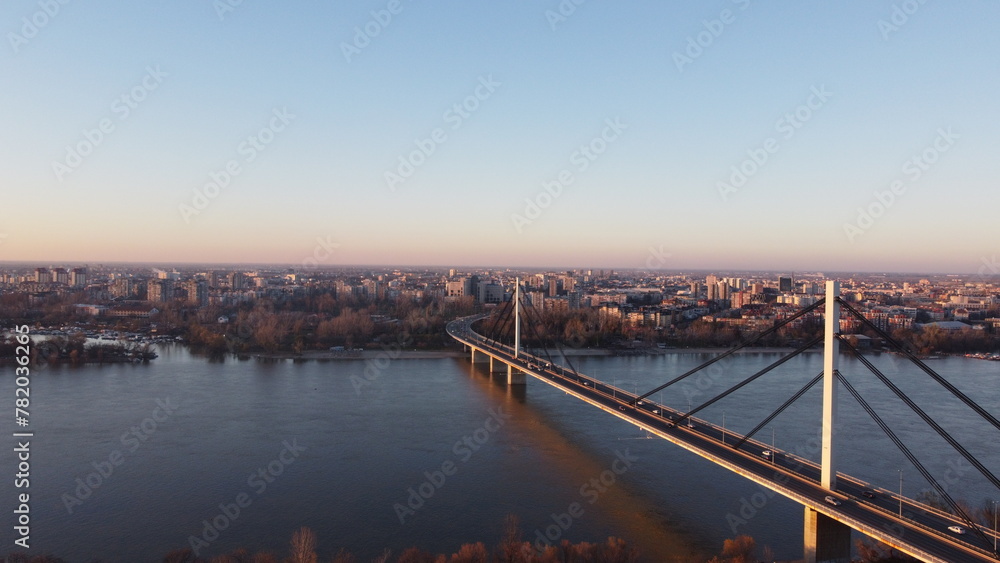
(479, 450)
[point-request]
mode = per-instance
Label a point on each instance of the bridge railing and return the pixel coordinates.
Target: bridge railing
(626, 397)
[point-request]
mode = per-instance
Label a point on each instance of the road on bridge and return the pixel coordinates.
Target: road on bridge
(921, 529)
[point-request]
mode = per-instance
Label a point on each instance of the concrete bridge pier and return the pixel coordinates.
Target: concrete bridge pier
(826, 540)
(515, 376)
(479, 357)
(496, 366)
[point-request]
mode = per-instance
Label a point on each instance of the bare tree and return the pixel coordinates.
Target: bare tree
(471, 553)
(303, 547)
(740, 550)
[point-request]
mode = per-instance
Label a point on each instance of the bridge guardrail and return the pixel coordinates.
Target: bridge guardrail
(626, 397)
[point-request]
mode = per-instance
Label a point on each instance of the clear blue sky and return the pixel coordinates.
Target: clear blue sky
(924, 85)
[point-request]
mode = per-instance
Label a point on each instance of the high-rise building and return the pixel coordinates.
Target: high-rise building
(740, 299)
(124, 288)
(42, 275)
(237, 280)
(160, 290)
(60, 275)
(197, 291)
(723, 291)
(459, 288)
(569, 284)
(695, 289)
(78, 277)
(491, 293)
(785, 284)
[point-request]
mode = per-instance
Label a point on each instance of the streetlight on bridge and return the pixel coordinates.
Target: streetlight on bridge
(900, 492)
(994, 525)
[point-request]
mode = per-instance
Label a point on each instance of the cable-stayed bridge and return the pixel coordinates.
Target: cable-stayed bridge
(834, 503)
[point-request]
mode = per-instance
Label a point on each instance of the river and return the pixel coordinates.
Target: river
(131, 461)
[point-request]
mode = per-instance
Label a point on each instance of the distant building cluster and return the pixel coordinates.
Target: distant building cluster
(635, 298)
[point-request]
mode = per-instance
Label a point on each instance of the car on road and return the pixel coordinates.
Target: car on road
(869, 494)
(956, 530)
(832, 500)
(767, 454)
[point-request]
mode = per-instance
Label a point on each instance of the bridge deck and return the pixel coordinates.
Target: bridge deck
(922, 531)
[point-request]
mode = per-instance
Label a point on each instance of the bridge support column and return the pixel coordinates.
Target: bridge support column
(831, 355)
(496, 366)
(825, 540)
(515, 376)
(479, 357)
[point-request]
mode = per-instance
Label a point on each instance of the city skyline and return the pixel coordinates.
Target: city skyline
(732, 136)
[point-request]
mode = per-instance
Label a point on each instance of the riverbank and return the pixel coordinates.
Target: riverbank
(454, 353)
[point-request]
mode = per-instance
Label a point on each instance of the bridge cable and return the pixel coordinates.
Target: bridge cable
(529, 311)
(913, 459)
(731, 351)
(492, 330)
(494, 334)
(781, 409)
(752, 378)
(923, 415)
(505, 327)
(944, 383)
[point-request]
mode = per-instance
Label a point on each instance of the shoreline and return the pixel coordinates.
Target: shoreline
(325, 355)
